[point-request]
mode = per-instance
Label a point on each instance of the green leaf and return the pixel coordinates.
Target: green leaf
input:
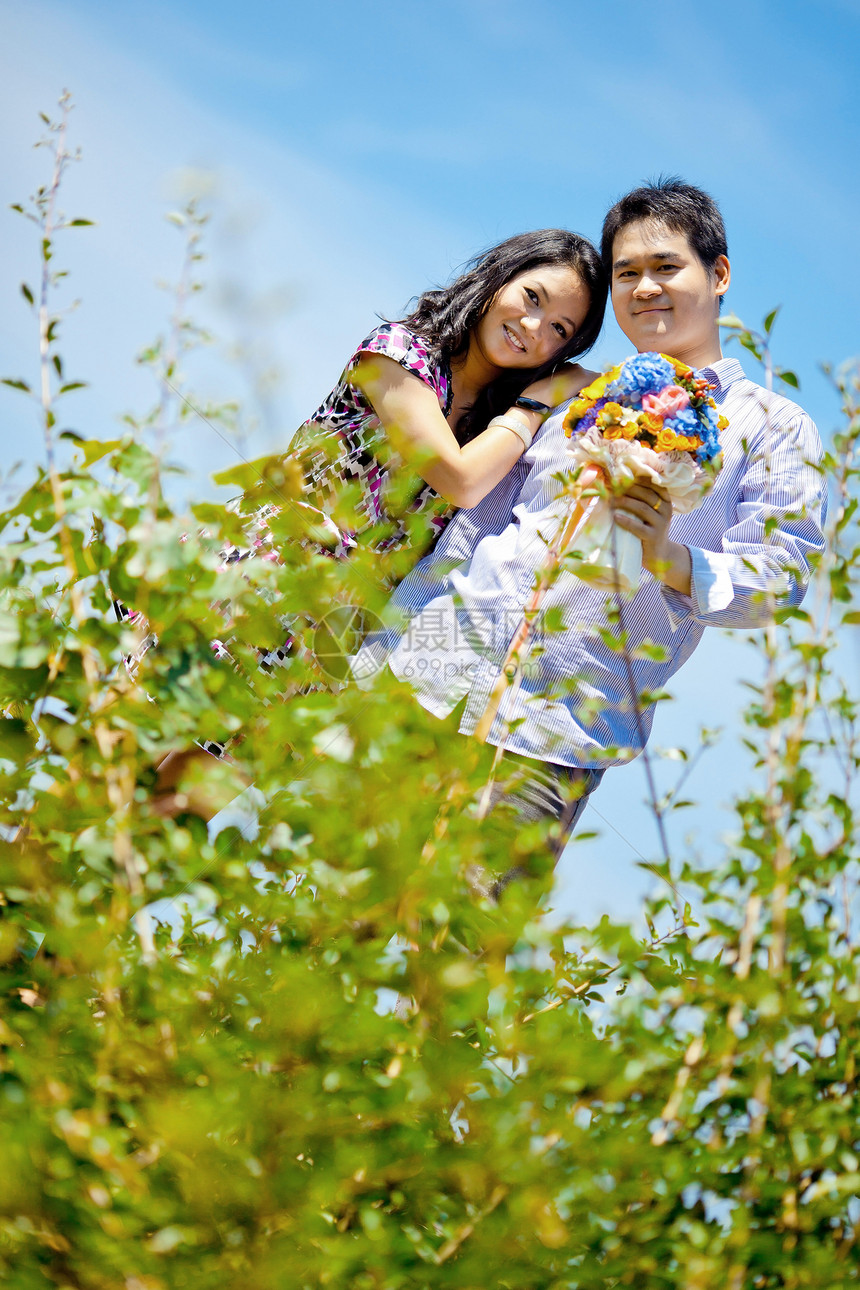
(15, 384)
(770, 319)
(27, 293)
(80, 223)
(94, 449)
(788, 377)
(852, 617)
(73, 385)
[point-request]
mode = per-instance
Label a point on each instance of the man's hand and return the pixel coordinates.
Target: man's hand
(646, 512)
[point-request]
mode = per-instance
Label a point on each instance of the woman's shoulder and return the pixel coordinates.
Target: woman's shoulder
(396, 340)
(413, 352)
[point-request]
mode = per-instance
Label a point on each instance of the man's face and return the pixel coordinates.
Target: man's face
(663, 296)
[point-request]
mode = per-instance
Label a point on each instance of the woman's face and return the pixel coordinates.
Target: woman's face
(533, 317)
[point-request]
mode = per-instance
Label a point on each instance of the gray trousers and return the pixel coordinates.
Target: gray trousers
(535, 790)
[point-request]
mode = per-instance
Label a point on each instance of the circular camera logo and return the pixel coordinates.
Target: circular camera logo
(338, 636)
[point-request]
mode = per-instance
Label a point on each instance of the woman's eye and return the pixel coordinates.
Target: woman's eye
(532, 295)
(561, 330)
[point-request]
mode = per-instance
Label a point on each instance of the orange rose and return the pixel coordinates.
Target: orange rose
(653, 424)
(667, 440)
(613, 432)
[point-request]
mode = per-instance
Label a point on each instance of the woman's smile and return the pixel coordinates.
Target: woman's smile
(513, 339)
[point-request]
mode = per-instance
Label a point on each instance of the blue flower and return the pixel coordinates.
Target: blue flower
(644, 374)
(685, 422)
(586, 422)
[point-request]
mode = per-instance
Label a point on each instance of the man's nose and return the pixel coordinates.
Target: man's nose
(646, 287)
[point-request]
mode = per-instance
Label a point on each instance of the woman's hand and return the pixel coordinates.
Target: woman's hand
(192, 781)
(646, 512)
(560, 386)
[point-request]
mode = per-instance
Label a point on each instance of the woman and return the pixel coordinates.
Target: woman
(431, 412)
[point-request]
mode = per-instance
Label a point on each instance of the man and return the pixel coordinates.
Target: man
(750, 541)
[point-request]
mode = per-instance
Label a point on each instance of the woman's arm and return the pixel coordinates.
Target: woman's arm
(409, 413)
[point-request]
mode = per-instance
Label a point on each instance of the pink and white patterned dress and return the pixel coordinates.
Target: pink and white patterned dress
(343, 446)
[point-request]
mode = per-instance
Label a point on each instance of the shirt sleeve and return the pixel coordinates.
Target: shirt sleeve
(766, 554)
(412, 353)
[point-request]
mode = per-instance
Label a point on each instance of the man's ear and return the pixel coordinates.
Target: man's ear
(722, 274)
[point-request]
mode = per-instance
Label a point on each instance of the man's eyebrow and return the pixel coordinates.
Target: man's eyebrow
(652, 255)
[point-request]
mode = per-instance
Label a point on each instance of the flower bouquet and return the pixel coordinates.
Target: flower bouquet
(651, 420)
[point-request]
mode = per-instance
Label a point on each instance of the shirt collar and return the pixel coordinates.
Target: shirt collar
(724, 373)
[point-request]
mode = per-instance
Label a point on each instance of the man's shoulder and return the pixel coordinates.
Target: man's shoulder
(770, 406)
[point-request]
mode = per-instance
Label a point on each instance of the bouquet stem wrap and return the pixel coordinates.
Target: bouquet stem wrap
(610, 556)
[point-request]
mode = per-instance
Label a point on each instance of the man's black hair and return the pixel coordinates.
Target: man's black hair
(680, 207)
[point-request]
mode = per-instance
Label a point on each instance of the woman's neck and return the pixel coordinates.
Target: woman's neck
(471, 373)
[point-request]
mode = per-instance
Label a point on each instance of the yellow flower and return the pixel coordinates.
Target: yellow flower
(597, 388)
(666, 440)
(611, 412)
(653, 424)
(722, 423)
(613, 432)
(575, 413)
(630, 430)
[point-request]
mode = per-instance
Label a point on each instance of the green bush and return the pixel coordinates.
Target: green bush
(236, 1100)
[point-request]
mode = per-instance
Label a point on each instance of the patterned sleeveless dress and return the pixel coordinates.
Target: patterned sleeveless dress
(344, 450)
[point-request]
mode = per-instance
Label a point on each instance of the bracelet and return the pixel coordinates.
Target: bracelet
(532, 405)
(517, 427)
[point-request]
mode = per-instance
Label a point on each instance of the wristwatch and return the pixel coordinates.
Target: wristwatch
(531, 405)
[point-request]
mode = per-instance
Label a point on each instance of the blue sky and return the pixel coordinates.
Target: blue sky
(354, 153)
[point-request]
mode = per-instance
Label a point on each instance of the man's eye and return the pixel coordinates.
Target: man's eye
(532, 295)
(668, 267)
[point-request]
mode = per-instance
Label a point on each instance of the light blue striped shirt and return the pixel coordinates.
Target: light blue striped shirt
(459, 608)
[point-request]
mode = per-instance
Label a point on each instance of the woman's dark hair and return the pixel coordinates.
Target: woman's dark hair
(447, 316)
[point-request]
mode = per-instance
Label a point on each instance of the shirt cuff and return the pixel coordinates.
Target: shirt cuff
(712, 586)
